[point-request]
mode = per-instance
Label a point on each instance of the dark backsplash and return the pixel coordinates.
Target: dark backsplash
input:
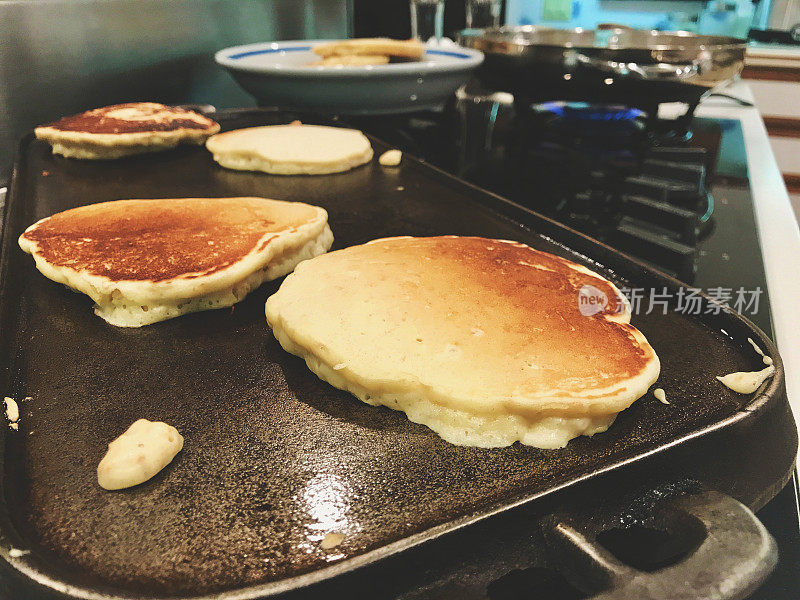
(392, 18)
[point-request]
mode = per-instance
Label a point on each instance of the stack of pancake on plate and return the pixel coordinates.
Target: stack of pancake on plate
(367, 51)
(481, 340)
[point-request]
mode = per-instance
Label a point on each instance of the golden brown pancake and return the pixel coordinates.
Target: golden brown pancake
(143, 261)
(484, 341)
(125, 129)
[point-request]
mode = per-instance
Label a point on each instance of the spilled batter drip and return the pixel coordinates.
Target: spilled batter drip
(746, 382)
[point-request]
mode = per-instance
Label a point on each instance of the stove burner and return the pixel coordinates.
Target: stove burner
(598, 126)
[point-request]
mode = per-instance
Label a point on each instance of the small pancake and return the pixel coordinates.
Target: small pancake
(125, 129)
(353, 60)
(144, 261)
(413, 49)
(481, 340)
(291, 149)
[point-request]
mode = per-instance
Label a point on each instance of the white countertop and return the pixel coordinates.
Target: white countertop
(777, 228)
(772, 55)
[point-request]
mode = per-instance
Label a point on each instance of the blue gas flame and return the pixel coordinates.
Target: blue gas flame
(587, 112)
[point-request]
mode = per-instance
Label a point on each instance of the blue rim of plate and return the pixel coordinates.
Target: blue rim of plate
(308, 48)
(229, 57)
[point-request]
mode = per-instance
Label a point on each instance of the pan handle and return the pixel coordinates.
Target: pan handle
(734, 558)
(654, 72)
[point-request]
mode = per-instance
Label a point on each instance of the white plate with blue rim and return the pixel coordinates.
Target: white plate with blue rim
(280, 74)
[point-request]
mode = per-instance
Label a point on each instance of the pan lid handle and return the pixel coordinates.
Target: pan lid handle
(735, 556)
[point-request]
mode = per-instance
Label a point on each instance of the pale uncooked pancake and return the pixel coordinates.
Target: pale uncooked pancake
(483, 341)
(144, 261)
(410, 49)
(291, 149)
(126, 129)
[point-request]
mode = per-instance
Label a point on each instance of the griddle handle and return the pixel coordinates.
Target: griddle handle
(735, 557)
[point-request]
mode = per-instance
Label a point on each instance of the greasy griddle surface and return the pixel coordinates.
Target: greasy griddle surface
(274, 458)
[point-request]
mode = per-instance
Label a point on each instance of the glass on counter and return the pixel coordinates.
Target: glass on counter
(483, 13)
(427, 19)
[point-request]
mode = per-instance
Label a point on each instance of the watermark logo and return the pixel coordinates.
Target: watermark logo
(687, 301)
(591, 300)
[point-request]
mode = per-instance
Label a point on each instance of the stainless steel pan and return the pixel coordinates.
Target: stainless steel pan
(639, 68)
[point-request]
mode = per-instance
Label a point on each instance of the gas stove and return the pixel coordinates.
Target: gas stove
(672, 193)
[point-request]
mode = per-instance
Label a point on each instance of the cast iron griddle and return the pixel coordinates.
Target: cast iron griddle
(274, 458)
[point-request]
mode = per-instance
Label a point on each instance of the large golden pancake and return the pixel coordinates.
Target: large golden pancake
(144, 261)
(291, 149)
(125, 129)
(484, 341)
